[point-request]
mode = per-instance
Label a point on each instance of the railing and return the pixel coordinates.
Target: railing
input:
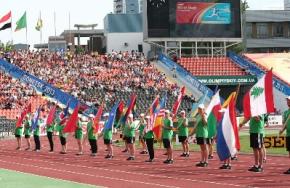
(7, 127)
(255, 70)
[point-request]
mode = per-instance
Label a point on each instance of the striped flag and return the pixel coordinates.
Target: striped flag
(34, 121)
(5, 21)
(228, 142)
(97, 119)
(178, 101)
(213, 115)
(159, 116)
(259, 100)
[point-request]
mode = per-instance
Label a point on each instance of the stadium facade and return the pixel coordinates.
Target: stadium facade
(287, 4)
(127, 6)
(267, 31)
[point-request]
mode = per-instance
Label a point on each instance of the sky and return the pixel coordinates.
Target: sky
(81, 12)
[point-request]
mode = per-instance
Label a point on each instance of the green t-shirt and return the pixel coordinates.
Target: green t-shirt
(18, 131)
(50, 128)
(182, 127)
(167, 133)
(201, 128)
(129, 131)
(27, 128)
(257, 126)
(36, 131)
(286, 114)
(108, 134)
(79, 131)
(149, 135)
(90, 131)
(141, 129)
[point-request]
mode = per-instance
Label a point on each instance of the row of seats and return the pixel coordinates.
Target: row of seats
(208, 66)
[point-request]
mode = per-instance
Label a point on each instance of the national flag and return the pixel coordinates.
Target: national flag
(159, 116)
(39, 24)
(212, 114)
(195, 105)
(120, 111)
(151, 113)
(34, 121)
(97, 119)
(112, 116)
(130, 106)
(65, 111)
(227, 101)
(25, 111)
(259, 100)
(178, 101)
(21, 23)
(228, 142)
(71, 124)
(51, 116)
(5, 21)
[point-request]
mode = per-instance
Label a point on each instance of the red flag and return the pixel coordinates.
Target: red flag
(178, 101)
(23, 114)
(71, 124)
(120, 111)
(97, 119)
(50, 116)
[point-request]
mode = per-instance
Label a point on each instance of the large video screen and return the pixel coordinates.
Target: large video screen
(194, 18)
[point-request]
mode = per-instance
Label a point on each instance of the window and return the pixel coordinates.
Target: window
(278, 30)
(262, 30)
(249, 31)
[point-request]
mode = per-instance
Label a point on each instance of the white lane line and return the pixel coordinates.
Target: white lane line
(134, 173)
(85, 174)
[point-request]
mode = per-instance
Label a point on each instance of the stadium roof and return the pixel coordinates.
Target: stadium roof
(83, 33)
(267, 15)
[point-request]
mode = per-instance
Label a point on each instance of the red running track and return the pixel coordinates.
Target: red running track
(121, 173)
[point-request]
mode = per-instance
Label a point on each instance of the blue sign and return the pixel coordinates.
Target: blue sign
(38, 85)
(187, 76)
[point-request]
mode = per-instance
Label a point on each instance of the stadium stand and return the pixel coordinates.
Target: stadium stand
(90, 78)
(215, 66)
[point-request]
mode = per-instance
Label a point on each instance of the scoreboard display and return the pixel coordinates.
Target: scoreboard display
(193, 18)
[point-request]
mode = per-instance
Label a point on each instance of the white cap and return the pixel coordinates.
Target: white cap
(167, 111)
(130, 115)
(84, 118)
(142, 115)
(106, 114)
(182, 112)
(288, 98)
(91, 116)
(201, 106)
(147, 117)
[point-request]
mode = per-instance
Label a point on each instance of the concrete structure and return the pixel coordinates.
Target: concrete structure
(127, 6)
(57, 43)
(95, 43)
(286, 4)
(267, 30)
(124, 32)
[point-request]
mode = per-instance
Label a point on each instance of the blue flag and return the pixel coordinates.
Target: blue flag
(112, 117)
(34, 121)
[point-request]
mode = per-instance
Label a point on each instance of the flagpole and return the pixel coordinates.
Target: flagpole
(40, 32)
(26, 32)
(11, 31)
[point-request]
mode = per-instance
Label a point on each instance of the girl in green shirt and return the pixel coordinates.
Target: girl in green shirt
(141, 134)
(92, 136)
(18, 133)
(183, 133)
(167, 133)
(79, 135)
(108, 136)
(27, 132)
(129, 132)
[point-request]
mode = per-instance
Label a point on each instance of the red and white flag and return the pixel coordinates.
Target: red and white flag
(5, 21)
(178, 101)
(259, 100)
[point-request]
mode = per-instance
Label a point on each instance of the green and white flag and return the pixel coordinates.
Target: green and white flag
(21, 23)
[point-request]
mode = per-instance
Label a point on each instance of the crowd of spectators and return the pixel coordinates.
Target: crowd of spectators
(77, 74)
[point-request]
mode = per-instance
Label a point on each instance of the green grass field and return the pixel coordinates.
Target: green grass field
(13, 179)
(244, 141)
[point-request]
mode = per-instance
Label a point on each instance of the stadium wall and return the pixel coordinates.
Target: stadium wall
(126, 42)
